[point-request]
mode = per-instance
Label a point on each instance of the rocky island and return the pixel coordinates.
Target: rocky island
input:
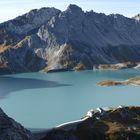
(133, 81)
(121, 123)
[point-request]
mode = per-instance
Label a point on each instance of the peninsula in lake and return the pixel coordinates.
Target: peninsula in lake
(122, 123)
(48, 39)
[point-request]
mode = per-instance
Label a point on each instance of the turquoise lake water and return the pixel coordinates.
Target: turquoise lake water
(39, 100)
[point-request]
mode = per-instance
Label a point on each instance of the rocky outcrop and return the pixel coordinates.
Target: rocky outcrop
(11, 130)
(49, 39)
(120, 123)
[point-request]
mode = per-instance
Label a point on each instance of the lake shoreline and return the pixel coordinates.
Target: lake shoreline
(101, 116)
(103, 67)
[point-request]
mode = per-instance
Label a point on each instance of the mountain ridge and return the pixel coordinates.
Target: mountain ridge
(51, 39)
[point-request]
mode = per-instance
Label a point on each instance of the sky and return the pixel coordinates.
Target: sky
(10, 9)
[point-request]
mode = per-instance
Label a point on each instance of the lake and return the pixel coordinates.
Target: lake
(39, 100)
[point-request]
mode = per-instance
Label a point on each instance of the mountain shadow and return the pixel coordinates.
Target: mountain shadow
(12, 84)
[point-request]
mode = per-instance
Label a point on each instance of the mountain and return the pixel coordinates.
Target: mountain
(11, 130)
(17, 29)
(49, 39)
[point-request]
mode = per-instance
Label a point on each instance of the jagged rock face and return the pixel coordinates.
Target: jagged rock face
(94, 38)
(23, 57)
(25, 25)
(11, 130)
(51, 39)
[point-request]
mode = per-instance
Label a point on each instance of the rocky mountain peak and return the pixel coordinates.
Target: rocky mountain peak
(44, 10)
(30, 21)
(95, 38)
(73, 8)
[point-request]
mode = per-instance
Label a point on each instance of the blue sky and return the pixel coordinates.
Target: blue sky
(11, 8)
